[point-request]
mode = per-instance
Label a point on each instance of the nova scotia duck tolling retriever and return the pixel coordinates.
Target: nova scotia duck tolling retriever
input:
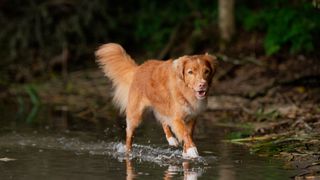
(176, 90)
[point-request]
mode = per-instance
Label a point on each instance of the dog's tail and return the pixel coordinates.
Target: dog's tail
(120, 68)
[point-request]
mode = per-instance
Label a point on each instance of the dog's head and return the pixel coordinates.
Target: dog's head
(196, 72)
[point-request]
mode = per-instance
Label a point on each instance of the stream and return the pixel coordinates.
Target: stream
(54, 144)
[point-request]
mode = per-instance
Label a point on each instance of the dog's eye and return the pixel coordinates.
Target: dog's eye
(190, 72)
(206, 71)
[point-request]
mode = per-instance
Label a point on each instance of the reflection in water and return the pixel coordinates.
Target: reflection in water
(130, 171)
(226, 172)
(188, 172)
(226, 169)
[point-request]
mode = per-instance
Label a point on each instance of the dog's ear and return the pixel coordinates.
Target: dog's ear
(178, 66)
(212, 60)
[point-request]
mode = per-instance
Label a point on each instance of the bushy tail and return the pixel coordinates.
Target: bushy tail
(120, 68)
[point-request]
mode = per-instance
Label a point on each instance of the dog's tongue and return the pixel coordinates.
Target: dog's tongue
(200, 94)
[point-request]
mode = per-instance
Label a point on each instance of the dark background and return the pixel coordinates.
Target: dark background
(40, 39)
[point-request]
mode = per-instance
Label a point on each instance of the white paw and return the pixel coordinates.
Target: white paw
(191, 153)
(173, 141)
(191, 176)
(121, 148)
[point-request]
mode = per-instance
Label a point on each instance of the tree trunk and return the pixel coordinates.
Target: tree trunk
(226, 20)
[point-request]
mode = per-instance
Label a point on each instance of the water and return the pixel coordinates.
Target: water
(59, 146)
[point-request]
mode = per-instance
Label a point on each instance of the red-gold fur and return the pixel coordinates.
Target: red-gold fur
(176, 90)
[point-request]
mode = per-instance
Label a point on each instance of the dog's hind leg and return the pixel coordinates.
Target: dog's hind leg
(171, 140)
(129, 135)
(134, 112)
(133, 121)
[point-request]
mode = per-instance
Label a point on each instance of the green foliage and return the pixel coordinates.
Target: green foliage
(239, 134)
(261, 114)
(276, 146)
(156, 20)
(32, 92)
(155, 28)
(245, 131)
(286, 23)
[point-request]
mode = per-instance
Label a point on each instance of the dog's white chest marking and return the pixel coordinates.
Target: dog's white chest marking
(199, 107)
(189, 110)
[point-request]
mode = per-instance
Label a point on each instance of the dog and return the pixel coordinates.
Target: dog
(176, 90)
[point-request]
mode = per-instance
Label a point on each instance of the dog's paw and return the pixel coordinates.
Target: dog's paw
(121, 148)
(173, 142)
(191, 153)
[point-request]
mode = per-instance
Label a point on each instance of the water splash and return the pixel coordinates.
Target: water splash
(146, 153)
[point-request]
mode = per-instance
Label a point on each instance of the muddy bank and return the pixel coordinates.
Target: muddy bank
(277, 103)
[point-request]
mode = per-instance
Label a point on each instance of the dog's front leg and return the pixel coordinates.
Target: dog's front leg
(190, 126)
(191, 151)
(184, 134)
(171, 140)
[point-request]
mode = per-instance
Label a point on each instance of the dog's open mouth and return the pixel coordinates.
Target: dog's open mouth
(201, 94)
